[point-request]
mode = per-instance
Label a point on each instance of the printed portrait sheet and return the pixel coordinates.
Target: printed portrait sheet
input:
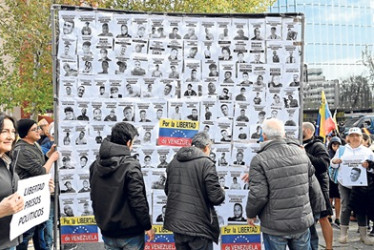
(351, 171)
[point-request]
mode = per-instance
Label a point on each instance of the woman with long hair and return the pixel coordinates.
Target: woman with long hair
(10, 201)
(334, 194)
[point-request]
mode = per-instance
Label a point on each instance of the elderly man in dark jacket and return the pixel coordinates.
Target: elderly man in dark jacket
(118, 192)
(193, 190)
(280, 177)
(320, 159)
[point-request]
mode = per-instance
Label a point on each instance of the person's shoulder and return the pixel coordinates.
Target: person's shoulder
(317, 143)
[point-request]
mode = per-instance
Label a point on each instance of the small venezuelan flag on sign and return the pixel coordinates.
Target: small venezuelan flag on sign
(177, 132)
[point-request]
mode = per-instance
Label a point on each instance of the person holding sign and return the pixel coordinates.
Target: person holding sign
(10, 201)
(348, 159)
(30, 161)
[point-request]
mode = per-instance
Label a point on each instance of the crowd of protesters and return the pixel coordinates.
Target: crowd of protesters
(22, 159)
(291, 188)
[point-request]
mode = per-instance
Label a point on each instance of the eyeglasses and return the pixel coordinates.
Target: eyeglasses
(35, 129)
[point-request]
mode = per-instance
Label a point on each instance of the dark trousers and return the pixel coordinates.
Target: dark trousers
(37, 235)
(185, 242)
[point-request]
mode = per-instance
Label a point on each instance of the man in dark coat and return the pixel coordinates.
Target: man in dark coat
(118, 194)
(320, 159)
(193, 190)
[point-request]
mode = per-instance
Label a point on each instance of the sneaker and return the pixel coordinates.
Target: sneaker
(337, 222)
(70, 246)
(372, 233)
(334, 225)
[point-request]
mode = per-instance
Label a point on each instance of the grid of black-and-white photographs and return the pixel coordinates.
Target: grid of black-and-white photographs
(230, 73)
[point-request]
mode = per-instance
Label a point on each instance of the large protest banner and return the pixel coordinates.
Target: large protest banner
(172, 75)
(36, 195)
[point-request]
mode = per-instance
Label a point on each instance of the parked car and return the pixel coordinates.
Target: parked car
(365, 121)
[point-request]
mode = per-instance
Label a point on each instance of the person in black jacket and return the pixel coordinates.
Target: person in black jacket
(193, 190)
(334, 194)
(29, 161)
(320, 159)
(11, 202)
(118, 193)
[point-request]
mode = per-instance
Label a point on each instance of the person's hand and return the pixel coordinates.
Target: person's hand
(251, 221)
(51, 185)
(337, 161)
(11, 205)
(51, 151)
(151, 234)
(245, 178)
(365, 164)
(54, 156)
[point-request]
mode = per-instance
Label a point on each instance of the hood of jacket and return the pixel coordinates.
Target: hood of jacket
(313, 140)
(189, 154)
(110, 155)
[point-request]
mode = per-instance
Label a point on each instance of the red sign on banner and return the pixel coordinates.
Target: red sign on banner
(80, 233)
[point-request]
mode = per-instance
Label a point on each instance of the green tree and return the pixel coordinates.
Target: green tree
(192, 6)
(25, 32)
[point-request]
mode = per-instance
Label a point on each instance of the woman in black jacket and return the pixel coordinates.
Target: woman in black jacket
(334, 194)
(10, 201)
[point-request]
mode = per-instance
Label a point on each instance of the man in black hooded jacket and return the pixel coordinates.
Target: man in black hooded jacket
(320, 159)
(193, 190)
(118, 192)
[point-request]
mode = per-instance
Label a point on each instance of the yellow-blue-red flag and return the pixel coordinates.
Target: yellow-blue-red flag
(325, 122)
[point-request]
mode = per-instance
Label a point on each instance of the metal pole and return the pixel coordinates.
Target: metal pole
(301, 92)
(54, 80)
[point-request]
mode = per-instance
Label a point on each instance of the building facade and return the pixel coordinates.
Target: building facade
(336, 34)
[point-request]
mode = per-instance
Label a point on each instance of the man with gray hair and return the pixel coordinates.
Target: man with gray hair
(193, 190)
(280, 176)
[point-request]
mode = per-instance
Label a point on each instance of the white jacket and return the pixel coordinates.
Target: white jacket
(350, 153)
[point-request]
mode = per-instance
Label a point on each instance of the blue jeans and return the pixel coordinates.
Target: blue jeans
(299, 241)
(37, 235)
(313, 233)
(129, 243)
(48, 231)
(313, 237)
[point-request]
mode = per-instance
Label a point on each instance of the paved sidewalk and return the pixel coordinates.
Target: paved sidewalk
(353, 239)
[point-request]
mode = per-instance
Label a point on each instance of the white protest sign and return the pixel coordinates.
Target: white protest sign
(351, 172)
(36, 195)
